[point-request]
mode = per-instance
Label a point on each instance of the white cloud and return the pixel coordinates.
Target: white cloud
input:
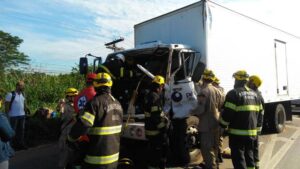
(115, 18)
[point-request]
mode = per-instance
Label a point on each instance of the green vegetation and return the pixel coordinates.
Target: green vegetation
(41, 90)
(9, 53)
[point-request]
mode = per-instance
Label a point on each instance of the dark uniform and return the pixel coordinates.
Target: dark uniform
(241, 111)
(155, 130)
(122, 73)
(102, 121)
(260, 123)
(254, 83)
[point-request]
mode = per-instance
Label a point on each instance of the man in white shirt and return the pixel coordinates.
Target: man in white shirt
(15, 108)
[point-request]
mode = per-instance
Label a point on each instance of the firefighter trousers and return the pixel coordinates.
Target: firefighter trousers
(256, 152)
(209, 142)
(242, 148)
(178, 143)
(157, 151)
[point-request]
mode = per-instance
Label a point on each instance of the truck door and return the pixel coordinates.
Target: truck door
(281, 67)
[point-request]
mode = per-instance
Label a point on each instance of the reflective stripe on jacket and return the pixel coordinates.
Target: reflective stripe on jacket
(103, 117)
(155, 120)
(241, 111)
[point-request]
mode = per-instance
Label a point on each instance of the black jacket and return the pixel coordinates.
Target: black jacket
(155, 119)
(242, 109)
(102, 121)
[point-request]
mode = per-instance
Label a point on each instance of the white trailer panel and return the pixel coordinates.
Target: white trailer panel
(229, 41)
(183, 26)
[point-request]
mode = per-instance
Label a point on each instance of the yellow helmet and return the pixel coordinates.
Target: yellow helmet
(71, 92)
(217, 80)
(102, 79)
(256, 80)
(208, 75)
(159, 80)
(241, 75)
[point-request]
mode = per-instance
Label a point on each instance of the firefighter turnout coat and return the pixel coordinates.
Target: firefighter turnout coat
(242, 109)
(155, 131)
(155, 118)
(102, 121)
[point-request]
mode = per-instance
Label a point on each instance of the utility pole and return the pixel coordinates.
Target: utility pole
(112, 45)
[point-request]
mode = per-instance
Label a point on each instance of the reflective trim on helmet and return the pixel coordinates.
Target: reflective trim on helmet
(103, 79)
(161, 125)
(151, 132)
(230, 105)
(102, 160)
(107, 71)
(105, 130)
(248, 108)
(154, 108)
(250, 167)
(88, 118)
(122, 72)
(243, 132)
(225, 123)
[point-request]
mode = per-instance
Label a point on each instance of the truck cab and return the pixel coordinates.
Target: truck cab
(178, 64)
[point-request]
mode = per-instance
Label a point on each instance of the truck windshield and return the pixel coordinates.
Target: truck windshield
(183, 64)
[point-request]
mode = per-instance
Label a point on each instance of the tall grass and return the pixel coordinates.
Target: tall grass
(41, 90)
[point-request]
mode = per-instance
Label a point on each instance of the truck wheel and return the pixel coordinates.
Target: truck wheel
(279, 118)
(193, 140)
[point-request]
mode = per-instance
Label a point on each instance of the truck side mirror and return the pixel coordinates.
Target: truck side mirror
(199, 69)
(97, 62)
(83, 65)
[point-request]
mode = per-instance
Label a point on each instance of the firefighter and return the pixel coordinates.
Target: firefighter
(241, 110)
(122, 71)
(216, 83)
(156, 125)
(210, 101)
(102, 121)
(68, 119)
(86, 94)
(254, 83)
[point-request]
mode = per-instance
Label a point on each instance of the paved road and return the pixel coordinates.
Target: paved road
(278, 151)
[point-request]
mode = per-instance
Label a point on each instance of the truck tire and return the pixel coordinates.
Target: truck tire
(279, 118)
(194, 140)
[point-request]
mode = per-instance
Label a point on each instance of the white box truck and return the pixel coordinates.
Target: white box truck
(178, 45)
(229, 41)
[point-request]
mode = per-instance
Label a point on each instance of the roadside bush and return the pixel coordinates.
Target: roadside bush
(41, 90)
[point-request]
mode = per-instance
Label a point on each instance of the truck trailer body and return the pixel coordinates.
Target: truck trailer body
(179, 44)
(229, 41)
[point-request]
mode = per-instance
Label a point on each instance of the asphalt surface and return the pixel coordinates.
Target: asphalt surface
(278, 151)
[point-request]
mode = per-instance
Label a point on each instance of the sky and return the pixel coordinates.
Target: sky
(57, 33)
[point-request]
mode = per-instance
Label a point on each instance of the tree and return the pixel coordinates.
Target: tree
(9, 53)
